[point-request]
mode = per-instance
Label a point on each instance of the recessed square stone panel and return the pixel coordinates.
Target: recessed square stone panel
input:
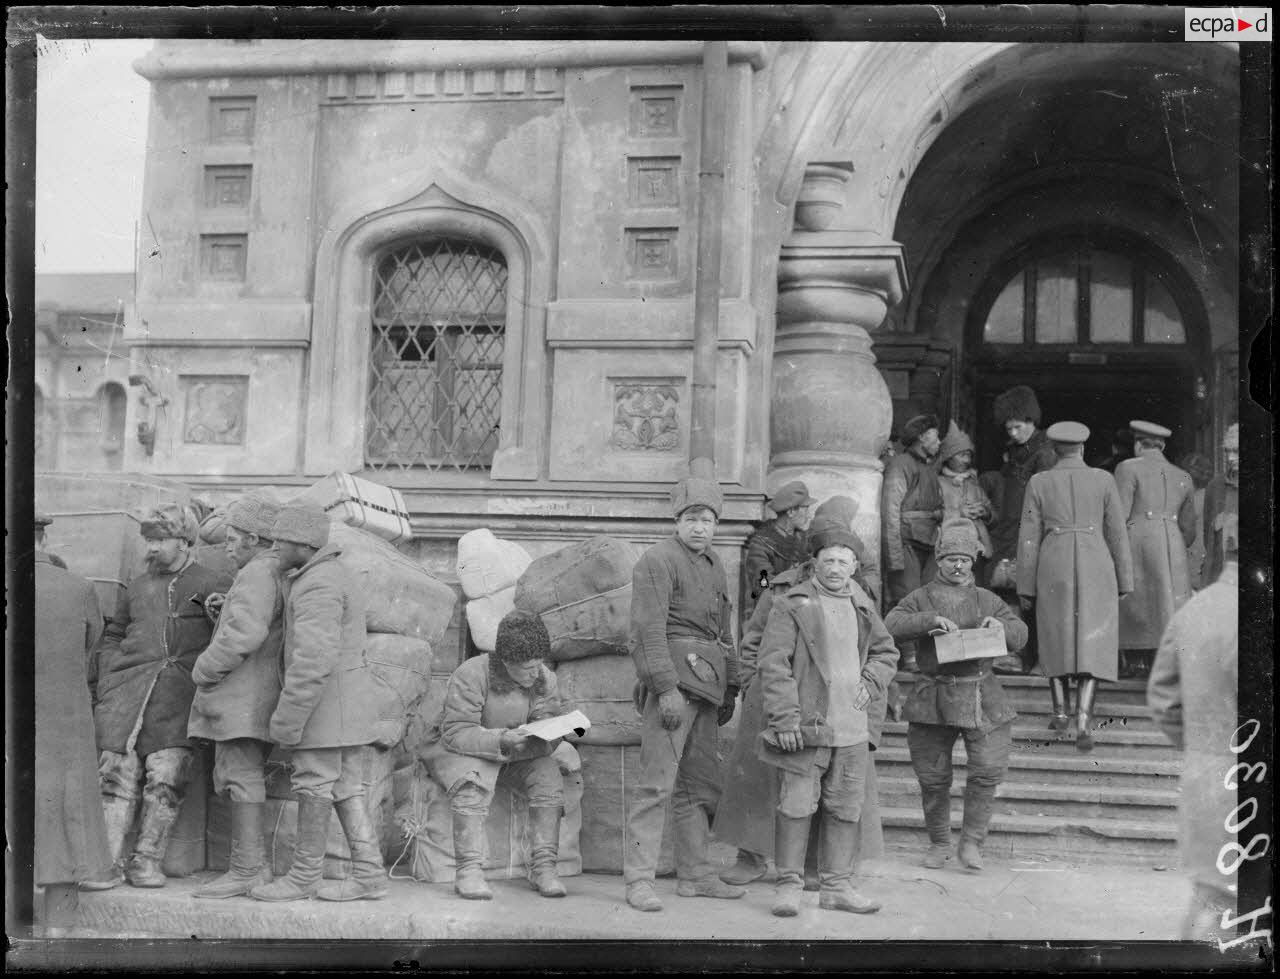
(653, 181)
(227, 187)
(646, 414)
(223, 257)
(215, 408)
(231, 119)
(655, 110)
(651, 254)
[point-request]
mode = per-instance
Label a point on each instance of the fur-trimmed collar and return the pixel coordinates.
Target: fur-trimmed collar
(500, 680)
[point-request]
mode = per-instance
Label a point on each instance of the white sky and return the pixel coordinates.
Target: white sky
(91, 140)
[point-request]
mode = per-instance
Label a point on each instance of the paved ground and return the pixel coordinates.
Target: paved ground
(1110, 910)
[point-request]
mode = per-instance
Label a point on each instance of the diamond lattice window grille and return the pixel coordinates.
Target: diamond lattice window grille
(438, 331)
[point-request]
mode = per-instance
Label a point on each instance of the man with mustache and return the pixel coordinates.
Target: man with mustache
(140, 678)
(952, 700)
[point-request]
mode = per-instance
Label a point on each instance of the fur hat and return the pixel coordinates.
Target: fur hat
(253, 514)
(917, 426)
(301, 525)
(169, 520)
(957, 537)
(955, 441)
(829, 531)
(1016, 403)
(522, 636)
(696, 491)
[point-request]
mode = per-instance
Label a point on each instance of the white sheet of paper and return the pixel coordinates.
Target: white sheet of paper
(550, 728)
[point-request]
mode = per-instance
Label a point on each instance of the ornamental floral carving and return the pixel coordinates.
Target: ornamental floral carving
(215, 409)
(645, 417)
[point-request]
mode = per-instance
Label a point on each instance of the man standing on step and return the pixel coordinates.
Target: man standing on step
(779, 544)
(1074, 566)
(333, 713)
(956, 700)
(237, 685)
(687, 669)
(826, 661)
(1159, 505)
(910, 511)
(140, 674)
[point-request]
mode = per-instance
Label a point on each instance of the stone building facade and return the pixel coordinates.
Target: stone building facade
(468, 269)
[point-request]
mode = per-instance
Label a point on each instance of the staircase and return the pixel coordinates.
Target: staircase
(1115, 805)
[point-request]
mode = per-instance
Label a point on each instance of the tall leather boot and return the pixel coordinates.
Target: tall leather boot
(978, 802)
(303, 878)
(159, 810)
(468, 847)
(790, 841)
(1060, 694)
(544, 827)
(839, 845)
(119, 814)
(368, 880)
(248, 865)
(936, 802)
(1084, 713)
(748, 867)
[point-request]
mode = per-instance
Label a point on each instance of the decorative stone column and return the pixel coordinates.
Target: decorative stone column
(831, 411)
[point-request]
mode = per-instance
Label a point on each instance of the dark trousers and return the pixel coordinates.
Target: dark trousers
(987, 753)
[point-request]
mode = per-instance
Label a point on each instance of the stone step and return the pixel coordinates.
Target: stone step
(1048, 799)
(1132, 692)
(1023, 837)
(1110, 741)
(1067, 768)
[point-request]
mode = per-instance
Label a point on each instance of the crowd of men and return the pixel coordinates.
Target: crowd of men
(1084, 562)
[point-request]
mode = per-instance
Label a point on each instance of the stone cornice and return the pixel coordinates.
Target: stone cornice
(861, 257)
(210, 59)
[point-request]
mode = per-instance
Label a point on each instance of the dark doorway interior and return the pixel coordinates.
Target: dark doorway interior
(1101, 398)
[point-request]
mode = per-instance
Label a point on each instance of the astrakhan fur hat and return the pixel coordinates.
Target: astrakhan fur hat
(1017, 403)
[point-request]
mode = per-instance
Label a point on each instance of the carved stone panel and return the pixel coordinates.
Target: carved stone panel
(651, 253)
(655, 110)
(646, 416)
(215, 408)
(652, 181)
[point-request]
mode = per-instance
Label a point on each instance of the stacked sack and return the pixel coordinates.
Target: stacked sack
(583, 594)
(488, 569)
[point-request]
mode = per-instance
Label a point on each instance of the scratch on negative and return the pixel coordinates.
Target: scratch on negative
(1182, 191)
(942, 14)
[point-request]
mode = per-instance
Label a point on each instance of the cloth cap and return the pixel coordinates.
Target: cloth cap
(917, 426)
(1149, 429)
(1016, 403)
(1231, 437)
(696, 491)
(42, 519)
(792, 495)
(955, 442)
(301, 525)
(169, 520)
(843, 508)
(830, 530)
(957, 537)
(1070, 432)
(522, 636)
(253, 514)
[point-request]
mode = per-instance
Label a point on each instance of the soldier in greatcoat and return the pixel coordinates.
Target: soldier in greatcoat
(910, 512)
(956, 700)
(475, 744)
(237, 685)
(334, 713)
(140, 674)
(1158, 501)
(826, 661)
(1074, 566)
(780, 543)
(70, 831)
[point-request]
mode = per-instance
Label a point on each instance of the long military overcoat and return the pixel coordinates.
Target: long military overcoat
(1074, 560)
(238, 677)
(71, 833)
(1158, 500)
(143, 661)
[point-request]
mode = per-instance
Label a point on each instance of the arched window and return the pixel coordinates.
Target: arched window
(1084, 295)
(112, 406)
(435, 366)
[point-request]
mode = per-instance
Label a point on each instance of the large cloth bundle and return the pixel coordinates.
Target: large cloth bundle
(402, 596)
(484, 614)
(608, 772)
(426, 853)
(583, 593)
(487, 564)
(404, 664)
(601, 687)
